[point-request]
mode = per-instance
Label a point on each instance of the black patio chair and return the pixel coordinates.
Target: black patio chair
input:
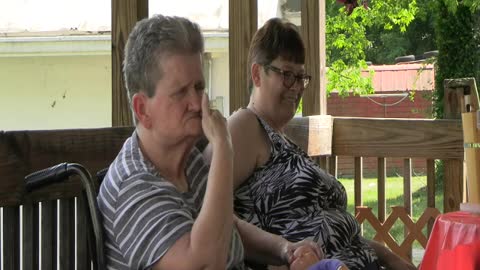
(61, 172)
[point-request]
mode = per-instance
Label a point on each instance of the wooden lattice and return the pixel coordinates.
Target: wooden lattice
(383, 229)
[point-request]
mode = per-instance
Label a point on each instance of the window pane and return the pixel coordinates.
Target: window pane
(54, 15)
(56, 64)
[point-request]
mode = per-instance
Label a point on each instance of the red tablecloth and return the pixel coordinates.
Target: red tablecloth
(454, 243)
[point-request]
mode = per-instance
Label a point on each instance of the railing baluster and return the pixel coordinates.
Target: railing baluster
(382, 176)
(49, 235)
(1, 237)
(358, 181)
(430, 191)
(67, 234)
(83, 261)
(11, 237)
(407, 185)
(332, 165)
(322, 162)
(358, 185)
(30, 236)
(407, 194)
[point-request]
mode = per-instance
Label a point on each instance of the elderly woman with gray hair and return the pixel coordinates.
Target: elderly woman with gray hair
(163, 207)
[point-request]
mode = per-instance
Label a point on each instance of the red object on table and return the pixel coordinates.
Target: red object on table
(454, 243)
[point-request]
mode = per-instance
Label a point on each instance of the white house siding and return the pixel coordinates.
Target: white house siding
(65, 82)
(54, 79)
(54, 92)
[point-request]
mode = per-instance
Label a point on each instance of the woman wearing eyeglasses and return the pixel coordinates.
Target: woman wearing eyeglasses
(278, 187)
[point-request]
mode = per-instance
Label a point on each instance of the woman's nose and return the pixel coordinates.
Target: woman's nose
(195, 100)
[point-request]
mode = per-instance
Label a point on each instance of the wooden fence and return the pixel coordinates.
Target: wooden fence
(400, 138)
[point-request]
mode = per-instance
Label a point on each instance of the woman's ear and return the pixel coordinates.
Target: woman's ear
(140, 108)
(255, 70)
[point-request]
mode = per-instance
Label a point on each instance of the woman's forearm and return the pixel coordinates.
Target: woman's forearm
(380, 250)
(212, 230)
(260, 246)
(389, 259)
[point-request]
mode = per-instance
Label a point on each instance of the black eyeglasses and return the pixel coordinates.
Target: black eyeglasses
(289, 78)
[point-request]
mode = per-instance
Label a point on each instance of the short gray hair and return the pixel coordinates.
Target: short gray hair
(149, 42)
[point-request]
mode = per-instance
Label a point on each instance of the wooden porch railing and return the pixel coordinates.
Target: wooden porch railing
(414, 229)
(22, 152)
(398, 138)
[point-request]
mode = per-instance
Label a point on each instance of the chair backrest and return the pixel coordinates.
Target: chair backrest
(60, 173)
(55, 218)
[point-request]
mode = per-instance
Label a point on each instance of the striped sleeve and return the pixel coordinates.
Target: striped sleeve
(150, 218)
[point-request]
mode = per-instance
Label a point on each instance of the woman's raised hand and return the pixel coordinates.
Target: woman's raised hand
(214, 125)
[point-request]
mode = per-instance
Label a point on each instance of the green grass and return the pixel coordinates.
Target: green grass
(394, 196)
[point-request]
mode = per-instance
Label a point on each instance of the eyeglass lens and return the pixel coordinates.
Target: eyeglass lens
(289, 79)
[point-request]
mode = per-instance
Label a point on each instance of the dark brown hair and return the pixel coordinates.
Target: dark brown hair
(275, 38)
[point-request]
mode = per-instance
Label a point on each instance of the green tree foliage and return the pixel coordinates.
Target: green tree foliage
(392, 28)
(451, 5)
(458, 39)
(416, 40)
(347, 40)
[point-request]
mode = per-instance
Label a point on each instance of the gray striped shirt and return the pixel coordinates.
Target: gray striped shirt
(144, 214)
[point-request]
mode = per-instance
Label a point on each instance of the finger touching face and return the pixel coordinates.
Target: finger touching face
(205, 105)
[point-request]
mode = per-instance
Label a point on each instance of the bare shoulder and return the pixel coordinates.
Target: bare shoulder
(243, 127)
(243, 120)
(249, 144)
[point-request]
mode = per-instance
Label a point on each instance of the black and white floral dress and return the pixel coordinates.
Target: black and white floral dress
(291, 196)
